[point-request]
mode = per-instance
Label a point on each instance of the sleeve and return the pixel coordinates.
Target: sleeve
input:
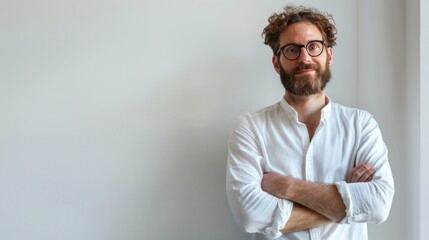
(369, 201)
(254, 210)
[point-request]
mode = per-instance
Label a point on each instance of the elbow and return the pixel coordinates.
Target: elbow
(382, 212)
(247, 206)
(374, 209)
(382, 209)
(247, 227)
(377, 215)
(380, 216)
(245, 222)
(243, 219)
(254, 210)
(250, 219)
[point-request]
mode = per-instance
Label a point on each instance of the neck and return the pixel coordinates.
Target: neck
(308, 107)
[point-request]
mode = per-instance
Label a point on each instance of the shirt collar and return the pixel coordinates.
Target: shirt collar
(326, 110)
(288, 110)
(292, 114)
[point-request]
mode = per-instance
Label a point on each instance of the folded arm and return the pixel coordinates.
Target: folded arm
(364, 196)
(322, 199)
(255, 210)
(303, 218)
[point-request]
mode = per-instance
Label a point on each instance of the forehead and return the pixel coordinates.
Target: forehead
(300, 33)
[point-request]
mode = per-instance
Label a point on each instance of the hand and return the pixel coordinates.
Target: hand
(276, 184)
(363, 172)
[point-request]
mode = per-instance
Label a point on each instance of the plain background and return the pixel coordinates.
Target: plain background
(115, 115)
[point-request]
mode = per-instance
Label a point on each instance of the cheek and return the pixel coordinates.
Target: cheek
(323, 65)
(289, 67)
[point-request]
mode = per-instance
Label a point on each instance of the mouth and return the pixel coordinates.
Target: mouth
(305, 69)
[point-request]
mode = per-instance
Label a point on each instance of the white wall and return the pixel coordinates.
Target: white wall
(115, 114)
(412, 160)
(395, 85)
(424, 111)
(380, 81)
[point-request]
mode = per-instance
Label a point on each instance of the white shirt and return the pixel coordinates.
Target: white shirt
(273, 140)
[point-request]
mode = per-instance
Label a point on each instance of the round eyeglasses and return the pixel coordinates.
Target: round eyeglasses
(293, 51)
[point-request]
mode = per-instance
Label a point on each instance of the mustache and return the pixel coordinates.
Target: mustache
(306, 66)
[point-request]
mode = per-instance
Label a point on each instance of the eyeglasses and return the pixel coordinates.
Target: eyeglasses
(293, 51)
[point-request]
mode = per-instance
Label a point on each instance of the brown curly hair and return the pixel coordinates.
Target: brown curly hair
(294, 14)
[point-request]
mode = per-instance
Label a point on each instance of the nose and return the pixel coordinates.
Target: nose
(304, 57)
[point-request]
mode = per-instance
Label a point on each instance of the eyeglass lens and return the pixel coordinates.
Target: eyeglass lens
(292, 51)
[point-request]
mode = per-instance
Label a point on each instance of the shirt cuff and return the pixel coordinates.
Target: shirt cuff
(344, 192)
(281, 217)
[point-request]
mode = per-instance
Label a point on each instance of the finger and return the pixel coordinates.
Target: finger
(362, 173)
(371, 172)
(366, 177)
(369, 179)
(368, 174)
(352, 172)
(357, 173)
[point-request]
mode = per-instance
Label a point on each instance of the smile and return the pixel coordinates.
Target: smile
(305, 71)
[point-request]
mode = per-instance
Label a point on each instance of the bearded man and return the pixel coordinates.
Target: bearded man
(306, 167)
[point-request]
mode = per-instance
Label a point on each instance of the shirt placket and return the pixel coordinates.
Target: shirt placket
(309, 175)
(309, 167)
(309, 170)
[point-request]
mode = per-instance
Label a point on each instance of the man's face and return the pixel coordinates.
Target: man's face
(306, 75)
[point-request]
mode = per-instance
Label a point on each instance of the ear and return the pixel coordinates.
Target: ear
(330, 55)
(275, 59)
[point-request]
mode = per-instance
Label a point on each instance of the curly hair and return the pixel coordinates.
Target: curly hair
(294, 14)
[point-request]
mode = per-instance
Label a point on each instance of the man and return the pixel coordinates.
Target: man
(306, 167)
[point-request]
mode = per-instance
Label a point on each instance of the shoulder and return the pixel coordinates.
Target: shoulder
(260, 117)
(350, 115)
(350, 112)
(263, 113)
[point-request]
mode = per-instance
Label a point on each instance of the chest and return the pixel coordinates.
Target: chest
(326, 157)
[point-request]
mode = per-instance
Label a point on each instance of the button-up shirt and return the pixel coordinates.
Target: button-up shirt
(273, 140)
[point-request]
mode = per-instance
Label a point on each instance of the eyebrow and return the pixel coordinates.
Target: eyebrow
(299, 44)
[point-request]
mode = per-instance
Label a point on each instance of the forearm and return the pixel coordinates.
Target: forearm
(303, 218)
(322, 198)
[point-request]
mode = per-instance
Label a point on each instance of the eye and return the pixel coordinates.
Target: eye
(314, 46)
(291, 50)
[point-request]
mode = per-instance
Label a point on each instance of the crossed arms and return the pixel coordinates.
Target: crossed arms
(267, 203)
(315, 204)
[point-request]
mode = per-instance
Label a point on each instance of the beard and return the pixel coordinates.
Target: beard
(305, 85)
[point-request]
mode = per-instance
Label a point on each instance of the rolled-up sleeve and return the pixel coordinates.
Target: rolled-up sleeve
(369, 201)
(254, 210)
